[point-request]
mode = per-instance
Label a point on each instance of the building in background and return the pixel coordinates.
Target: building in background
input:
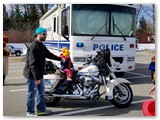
(145, 38)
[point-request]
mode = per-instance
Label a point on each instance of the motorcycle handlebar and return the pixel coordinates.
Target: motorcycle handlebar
(101, 55)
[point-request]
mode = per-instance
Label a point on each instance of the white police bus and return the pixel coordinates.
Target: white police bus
(87, 28)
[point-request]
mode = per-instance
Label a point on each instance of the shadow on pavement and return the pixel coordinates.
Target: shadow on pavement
(111, 111)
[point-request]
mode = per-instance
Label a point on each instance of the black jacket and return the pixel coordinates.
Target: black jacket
(35, 60)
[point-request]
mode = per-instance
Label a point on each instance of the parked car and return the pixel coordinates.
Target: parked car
(15, 50)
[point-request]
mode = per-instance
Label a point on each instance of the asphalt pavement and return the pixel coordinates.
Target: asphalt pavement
(14, 93)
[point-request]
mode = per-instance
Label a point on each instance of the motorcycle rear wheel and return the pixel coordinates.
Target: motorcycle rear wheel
(51, 101)
(122, 100)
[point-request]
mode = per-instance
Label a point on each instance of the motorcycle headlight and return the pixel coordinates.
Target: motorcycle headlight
(79, 59)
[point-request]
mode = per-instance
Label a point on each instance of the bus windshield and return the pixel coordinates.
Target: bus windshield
(99, 20)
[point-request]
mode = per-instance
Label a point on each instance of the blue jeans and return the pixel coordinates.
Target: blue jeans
(33, 91)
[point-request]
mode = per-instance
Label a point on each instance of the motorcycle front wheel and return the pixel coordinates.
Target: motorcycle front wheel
(122, 99)
(51, 101)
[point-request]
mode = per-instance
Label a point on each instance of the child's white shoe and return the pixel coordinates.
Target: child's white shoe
(69, 79)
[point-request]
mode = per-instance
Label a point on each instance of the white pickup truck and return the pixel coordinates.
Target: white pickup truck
(15, 50)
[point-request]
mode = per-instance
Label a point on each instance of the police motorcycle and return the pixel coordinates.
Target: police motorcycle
(86, 83)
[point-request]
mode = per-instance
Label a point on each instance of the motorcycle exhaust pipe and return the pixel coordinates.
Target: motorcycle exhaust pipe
(68, 95)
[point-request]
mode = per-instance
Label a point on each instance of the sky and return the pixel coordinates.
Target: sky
(147, 11)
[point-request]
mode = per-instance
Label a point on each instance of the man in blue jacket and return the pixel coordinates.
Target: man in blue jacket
(33, 72)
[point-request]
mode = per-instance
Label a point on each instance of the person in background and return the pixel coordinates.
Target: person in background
(6, 54)
(152, 67)
(34, 71)
(152, 90)
(66, 63)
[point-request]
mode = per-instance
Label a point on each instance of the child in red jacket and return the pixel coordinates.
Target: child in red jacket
(66, 63)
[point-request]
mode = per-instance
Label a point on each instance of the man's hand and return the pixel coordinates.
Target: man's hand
(5, 53)
(63, 60)
(37, 82)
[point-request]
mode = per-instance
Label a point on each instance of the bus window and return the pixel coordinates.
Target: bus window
(90, 20)
(54, 24)
(66, 19)
(124, 18)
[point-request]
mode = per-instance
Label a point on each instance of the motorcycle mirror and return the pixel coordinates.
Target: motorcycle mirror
(98, 52)
(89, 56)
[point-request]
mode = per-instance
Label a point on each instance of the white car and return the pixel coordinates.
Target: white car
(15, 50)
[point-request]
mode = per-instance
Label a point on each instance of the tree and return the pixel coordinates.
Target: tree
(31, 20)
(147, 11)
(142, 25)
(6, 20)
(24, 18)
(139, 8)
(12, 11)
(43, 8)
(33, 17)
(153, 7)
(18, 18)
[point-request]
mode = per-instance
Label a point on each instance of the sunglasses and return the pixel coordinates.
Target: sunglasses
(45, 34)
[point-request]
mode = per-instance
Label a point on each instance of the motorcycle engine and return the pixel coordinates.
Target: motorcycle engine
(88, 81)
(90, 86)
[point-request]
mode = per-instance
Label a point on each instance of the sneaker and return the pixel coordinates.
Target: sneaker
(31, 114)
(46, 112)
(69, 79)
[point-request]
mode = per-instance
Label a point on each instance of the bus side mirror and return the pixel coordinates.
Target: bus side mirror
(65, 32)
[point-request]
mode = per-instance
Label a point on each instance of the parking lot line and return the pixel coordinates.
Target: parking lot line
(15, 71)
(15, 78)
(84, 110)
(137, 77)
(141, 67)
(18, 90)
(11, 67)
(93, 109)
(16, 64)
(140, 75)
(137, 74)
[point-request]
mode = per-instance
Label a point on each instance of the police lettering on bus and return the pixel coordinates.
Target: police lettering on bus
(112, 47)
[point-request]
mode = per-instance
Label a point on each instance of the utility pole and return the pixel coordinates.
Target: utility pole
(153, 6)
